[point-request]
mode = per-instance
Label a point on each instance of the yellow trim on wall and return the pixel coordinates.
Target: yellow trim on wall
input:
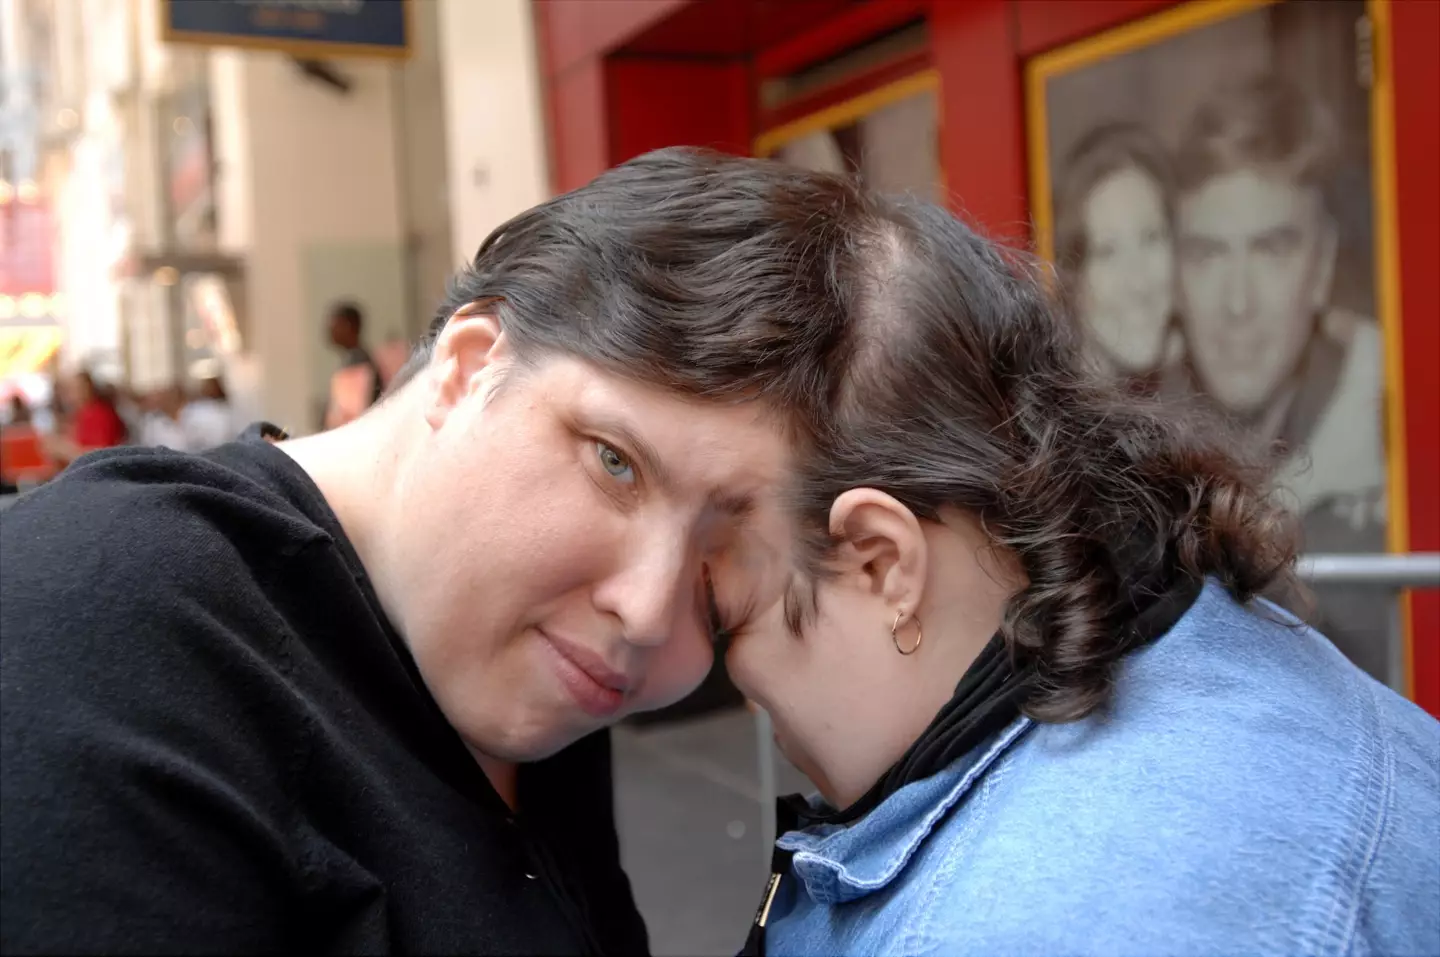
(847, 111)
(1389, 313)
(1102, 46)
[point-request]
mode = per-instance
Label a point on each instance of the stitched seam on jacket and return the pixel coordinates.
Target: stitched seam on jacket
(1379, 798)
(1328, 926)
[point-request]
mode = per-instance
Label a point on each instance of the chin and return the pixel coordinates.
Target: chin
(525, 743)
(738, 667)
(800, 759)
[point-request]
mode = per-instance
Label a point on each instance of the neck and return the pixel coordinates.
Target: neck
(969, 584)
(358, 468)
(355, 467)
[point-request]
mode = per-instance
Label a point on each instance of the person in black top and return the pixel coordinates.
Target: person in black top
(347, 692)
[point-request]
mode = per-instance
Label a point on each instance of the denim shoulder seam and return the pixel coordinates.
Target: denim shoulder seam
(1380, 802)
(1334, 914)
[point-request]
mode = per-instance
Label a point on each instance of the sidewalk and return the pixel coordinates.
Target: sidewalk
(688, 803)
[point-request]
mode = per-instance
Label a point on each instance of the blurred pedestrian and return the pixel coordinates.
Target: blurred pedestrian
(357, 384)
(19, 411)
(96, 425)
(160, 425)
(207, 418)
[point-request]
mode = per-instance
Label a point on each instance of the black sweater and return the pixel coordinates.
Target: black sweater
(214, 741)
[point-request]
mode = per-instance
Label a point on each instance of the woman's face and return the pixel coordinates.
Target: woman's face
(843, 701)
(1127, 283)
(548, 579)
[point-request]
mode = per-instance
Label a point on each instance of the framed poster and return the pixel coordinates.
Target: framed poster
(1213, 185)
(888, 136)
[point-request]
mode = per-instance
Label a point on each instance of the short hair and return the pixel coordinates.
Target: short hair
(1262, 122)
(349, 313)
(1101, 153)
(905, 352)
(708, 275)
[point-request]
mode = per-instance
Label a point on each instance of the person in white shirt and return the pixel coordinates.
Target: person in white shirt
(160, 423)
(207, 419)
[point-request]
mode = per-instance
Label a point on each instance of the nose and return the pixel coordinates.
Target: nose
(1238, 292)
(651, 591)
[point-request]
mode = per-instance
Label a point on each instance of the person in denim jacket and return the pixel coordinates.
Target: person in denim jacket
(1022, 657)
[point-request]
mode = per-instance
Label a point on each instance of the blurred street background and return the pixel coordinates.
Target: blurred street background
(219, 211)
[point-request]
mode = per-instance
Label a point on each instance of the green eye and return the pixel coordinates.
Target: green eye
(614, 463)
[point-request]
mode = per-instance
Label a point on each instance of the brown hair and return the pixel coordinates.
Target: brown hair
(964, 388)
(1262, 122)
(709, 275)
(904, 352)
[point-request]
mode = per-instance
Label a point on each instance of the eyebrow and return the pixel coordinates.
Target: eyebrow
(735, 504)
(1274, 233)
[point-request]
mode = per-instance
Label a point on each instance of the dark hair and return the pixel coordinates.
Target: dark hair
(348, 313)
(709, 275)
(904, 352)
(213, 387)
(1100, 154)
(19, 410)
(1262, 122)
(965, 389)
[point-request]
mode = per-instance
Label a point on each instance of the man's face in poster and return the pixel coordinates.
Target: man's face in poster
(1256, 252)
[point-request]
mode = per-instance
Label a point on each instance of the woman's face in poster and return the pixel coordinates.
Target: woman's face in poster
(1127, 283)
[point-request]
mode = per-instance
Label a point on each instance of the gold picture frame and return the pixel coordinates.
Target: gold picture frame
(1181, 19)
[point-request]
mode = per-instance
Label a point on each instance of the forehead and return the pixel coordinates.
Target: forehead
(1247, 201)
(1119, 193)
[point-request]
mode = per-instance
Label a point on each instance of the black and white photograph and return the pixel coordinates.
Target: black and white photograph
(1206, 197)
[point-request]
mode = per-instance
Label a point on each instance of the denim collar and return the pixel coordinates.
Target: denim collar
(841, 863)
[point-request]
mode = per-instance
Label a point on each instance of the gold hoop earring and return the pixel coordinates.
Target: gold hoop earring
(895, 634)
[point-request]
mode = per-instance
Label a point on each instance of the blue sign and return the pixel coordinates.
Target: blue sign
(310, 28)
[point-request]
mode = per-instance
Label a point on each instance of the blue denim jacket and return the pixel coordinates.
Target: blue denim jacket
(1247, 792)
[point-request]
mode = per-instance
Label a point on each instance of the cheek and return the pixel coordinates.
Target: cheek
(1285, 298)
(676, 669)
(1162, 268)
(762, 667)
(1100, 283)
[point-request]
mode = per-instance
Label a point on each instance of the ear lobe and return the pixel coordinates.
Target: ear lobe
(471, 345)
(882, 545)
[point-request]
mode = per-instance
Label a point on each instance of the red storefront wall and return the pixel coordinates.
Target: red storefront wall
(627, 76)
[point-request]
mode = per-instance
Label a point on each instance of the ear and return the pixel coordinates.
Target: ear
(468, 351)
(882, 547)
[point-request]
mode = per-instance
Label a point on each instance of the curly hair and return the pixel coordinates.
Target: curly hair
(963, 388)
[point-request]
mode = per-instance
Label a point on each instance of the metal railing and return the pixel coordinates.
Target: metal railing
(1395, 572)
(1389, 572)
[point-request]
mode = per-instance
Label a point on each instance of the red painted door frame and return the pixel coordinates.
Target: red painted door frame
(605, 107)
